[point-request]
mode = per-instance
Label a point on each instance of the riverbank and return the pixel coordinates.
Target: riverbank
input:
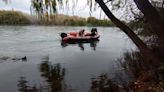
(19, 18)
(13, 18)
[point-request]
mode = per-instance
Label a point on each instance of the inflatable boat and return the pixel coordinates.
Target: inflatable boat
(73, 37)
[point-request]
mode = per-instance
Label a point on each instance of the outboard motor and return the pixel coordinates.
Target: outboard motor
(63, 35)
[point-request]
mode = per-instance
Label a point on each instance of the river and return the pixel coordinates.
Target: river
(76, 64)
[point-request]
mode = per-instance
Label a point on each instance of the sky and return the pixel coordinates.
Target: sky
(80, 10)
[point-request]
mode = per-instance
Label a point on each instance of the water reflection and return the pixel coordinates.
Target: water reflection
(103, 84)
(25, 42)
(110, 82)
(128, 67)
(23, 86)
(146, 75)
(92, 43)
(133, 74)
(135, 64)
(53, 74)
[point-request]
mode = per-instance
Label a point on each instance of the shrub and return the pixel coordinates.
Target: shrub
(12, 18)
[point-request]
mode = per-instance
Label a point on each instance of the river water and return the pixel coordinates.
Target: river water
(76, 64)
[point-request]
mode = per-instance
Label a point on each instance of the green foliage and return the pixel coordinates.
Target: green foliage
(104, 23)
(92, 21)
(72, 22)
(12, 18)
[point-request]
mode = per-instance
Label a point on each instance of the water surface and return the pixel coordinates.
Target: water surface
(42, 47)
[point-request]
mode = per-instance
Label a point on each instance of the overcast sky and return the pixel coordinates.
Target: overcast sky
(80, 10)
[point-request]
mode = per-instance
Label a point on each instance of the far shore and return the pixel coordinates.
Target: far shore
(16, 18)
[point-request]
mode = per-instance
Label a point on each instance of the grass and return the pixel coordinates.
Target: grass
(12, 18)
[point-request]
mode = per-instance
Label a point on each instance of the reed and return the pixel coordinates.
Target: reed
(12, 18)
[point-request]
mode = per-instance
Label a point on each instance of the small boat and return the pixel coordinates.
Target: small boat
(73, 37)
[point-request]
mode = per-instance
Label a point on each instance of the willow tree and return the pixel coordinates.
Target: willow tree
(38, 8)
(153, 18)
(144, 49)
(44, 8)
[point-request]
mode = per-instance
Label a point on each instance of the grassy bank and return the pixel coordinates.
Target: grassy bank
(18, 18)
(13, 18)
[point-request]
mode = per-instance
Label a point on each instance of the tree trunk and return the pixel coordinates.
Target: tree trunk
(139, 43)
(155, 21)
(151, 15)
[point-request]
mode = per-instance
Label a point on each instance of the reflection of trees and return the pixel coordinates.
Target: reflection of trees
(54, 75)
(23, 87)
(103, 84)
(147, 75)
(134, 63)
(93, 44)
(22, 84)
(106, 83)
(133, 67)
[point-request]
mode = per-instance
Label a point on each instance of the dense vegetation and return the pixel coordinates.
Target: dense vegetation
(18, 18)
(13, 18)
(95, 22)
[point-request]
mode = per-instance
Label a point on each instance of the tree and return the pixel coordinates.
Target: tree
(154, 19)
(37, 6)
(44, 8)
(147, 52)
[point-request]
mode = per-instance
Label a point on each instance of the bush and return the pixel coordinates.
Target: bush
(92, 21)
(12, 18)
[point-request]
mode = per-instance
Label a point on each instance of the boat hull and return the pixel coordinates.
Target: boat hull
(81, 39)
